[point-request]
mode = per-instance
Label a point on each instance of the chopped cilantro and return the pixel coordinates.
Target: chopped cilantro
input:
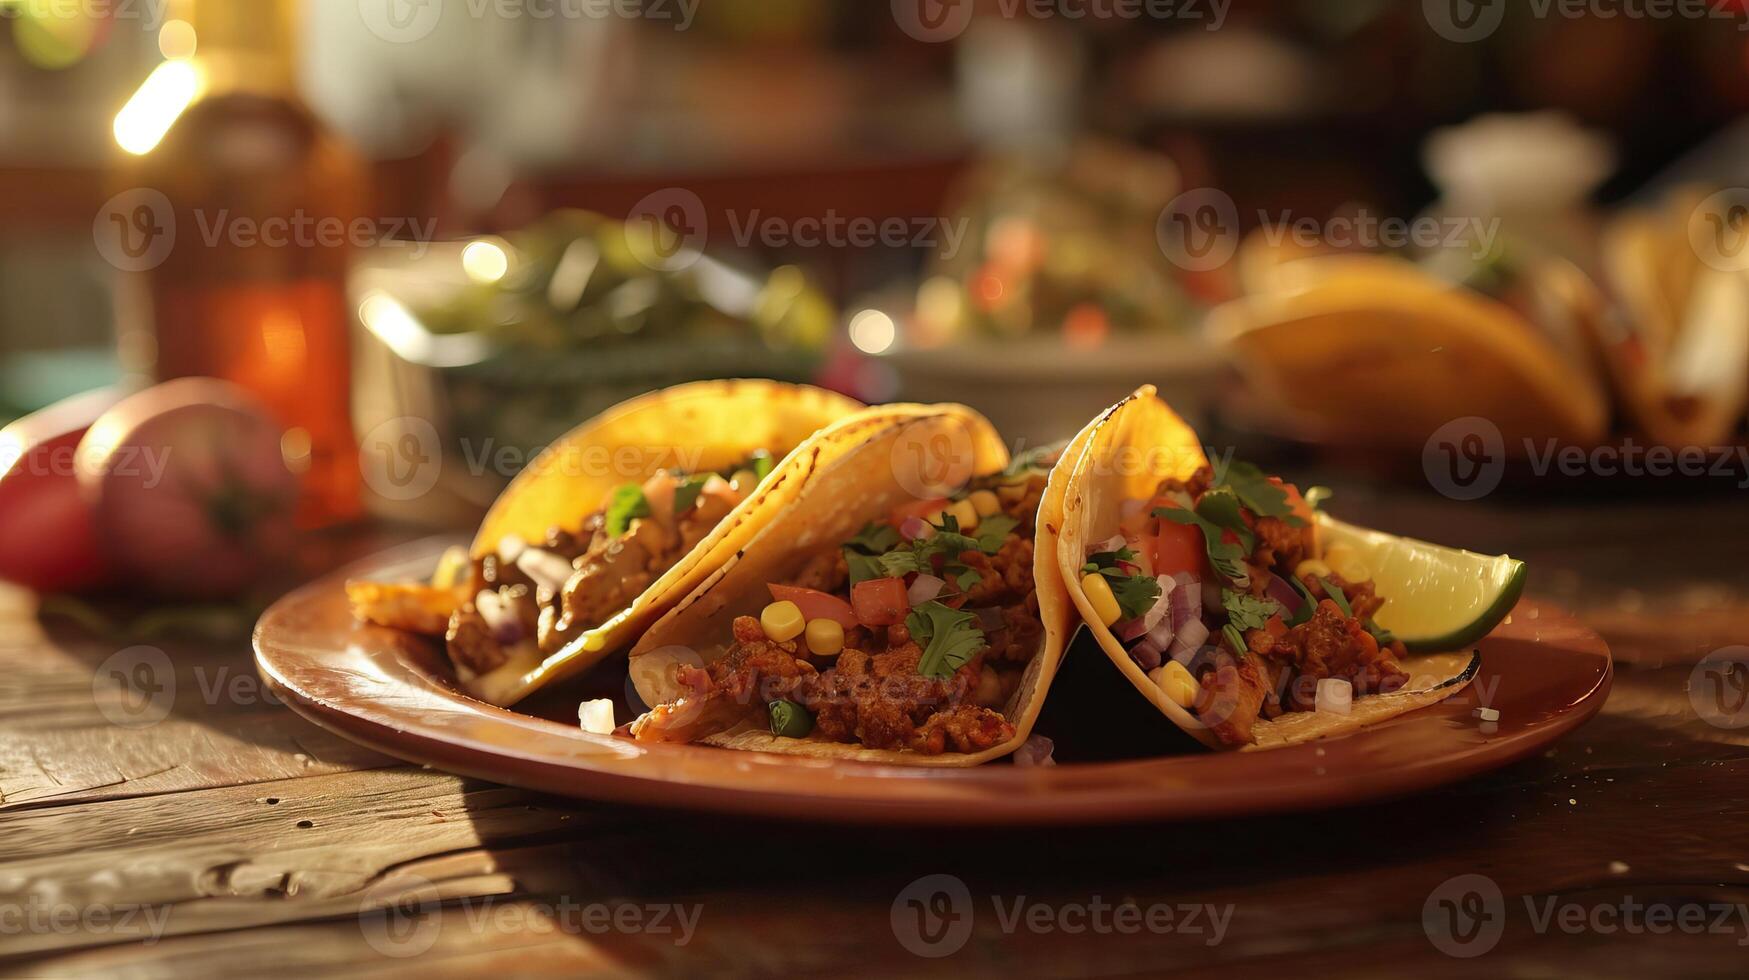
(1248, 612)
(1040, 458)
(1135, 593)
(1336, 596)
(1227, 558)
(625, 505)
(1306, 608)
(875, 539)
(1258, 493)
(993, 531)
(762, 463)
(949, 638)
(686, 494)
(1382, 636)
(1235, 639)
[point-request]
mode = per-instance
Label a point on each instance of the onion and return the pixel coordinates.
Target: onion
(1161, 635)
(1113, 543)
(924, 588)
(500, 616)
(1130, 629)
(1162, 605)
(1035, 751)
(1190, 639)
(1185, 599)
(596, 716)
(1283, 593)
(915, 527)
(549, 569)
(1146, 654)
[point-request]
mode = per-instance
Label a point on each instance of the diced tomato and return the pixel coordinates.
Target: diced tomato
(880, 601)
(916, 508)
(1178, 547)
(815, 604)
(1295, 500)
(1275, 627)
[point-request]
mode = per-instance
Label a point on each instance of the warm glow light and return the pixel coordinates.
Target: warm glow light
(872, 331)
(176, 40)
(485, 261)
(151, 112)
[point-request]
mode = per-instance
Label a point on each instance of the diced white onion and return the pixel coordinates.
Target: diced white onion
(510, 548)
(1335, 696)
(925, 588)
(500, 616)
(1189, 640)
(1035, 751)
(548, 569)
(1113, 543)
(596, 716)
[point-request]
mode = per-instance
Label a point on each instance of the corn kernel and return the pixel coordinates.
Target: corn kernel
(1352, 570)
(825, 637)
(966, 514)
(1312, 567)
(985, 503)
(782, 621)
(744, 481)
(1099, 596)
(1174, 681)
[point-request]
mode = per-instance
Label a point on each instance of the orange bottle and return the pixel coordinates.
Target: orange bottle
(260, 202)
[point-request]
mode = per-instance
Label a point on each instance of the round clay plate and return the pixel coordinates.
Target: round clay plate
(1543, 671)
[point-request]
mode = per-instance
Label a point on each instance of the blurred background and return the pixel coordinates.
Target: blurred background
(406, 230)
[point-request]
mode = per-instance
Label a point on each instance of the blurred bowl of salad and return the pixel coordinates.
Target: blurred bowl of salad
(503, 344)
(1057, 294)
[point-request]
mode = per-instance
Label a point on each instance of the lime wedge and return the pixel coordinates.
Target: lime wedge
(1436, 598)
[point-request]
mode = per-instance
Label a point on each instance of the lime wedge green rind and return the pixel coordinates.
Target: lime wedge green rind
(1436, 598)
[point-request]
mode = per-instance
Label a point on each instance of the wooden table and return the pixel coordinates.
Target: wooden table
(232, 837)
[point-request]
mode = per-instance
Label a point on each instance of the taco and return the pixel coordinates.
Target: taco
(1243, 613)
(1340, 336)
(610, 526)
(905, 608)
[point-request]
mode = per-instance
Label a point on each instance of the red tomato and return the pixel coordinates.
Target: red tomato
(815, 604)
(1178, 547)
(880, 601)
(916, 508)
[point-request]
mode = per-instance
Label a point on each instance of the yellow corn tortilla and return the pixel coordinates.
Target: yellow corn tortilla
(698, 427)
(836, 502)
(1136, 444)
(1373, 350)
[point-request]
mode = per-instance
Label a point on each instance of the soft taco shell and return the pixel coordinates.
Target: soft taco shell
(836, 502)
(703, 426)
(1136, 444)
(1372, 350)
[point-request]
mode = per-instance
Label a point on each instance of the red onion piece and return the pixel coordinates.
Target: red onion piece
(1185, 601)
(1146, 654)
(1189, 640)
(1283, 593)
(1161, 635)
(925, 588)
(915, 527)
(549, 569)
(1035, 751)
(1114, 543)
(1130, 629)
(500, 616)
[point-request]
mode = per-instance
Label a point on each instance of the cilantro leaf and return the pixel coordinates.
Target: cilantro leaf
(1101, 561)
(762, 464)
(1306, 607)
(875, 539)
(1382, 636)
(625, 505)
(993, 531)
(686, 494)
(1336, 596)
(863, 567)
(1135, 594)
(1262, 496)
(1227, 558)
(948, 636)
(1249, 612)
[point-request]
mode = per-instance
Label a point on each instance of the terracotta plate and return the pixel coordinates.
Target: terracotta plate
(1543, 671)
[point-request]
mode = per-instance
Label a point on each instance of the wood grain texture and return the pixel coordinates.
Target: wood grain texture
(268, 848)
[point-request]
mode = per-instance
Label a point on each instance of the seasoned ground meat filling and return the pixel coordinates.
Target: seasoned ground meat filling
(872, 692)
(1281, 666)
